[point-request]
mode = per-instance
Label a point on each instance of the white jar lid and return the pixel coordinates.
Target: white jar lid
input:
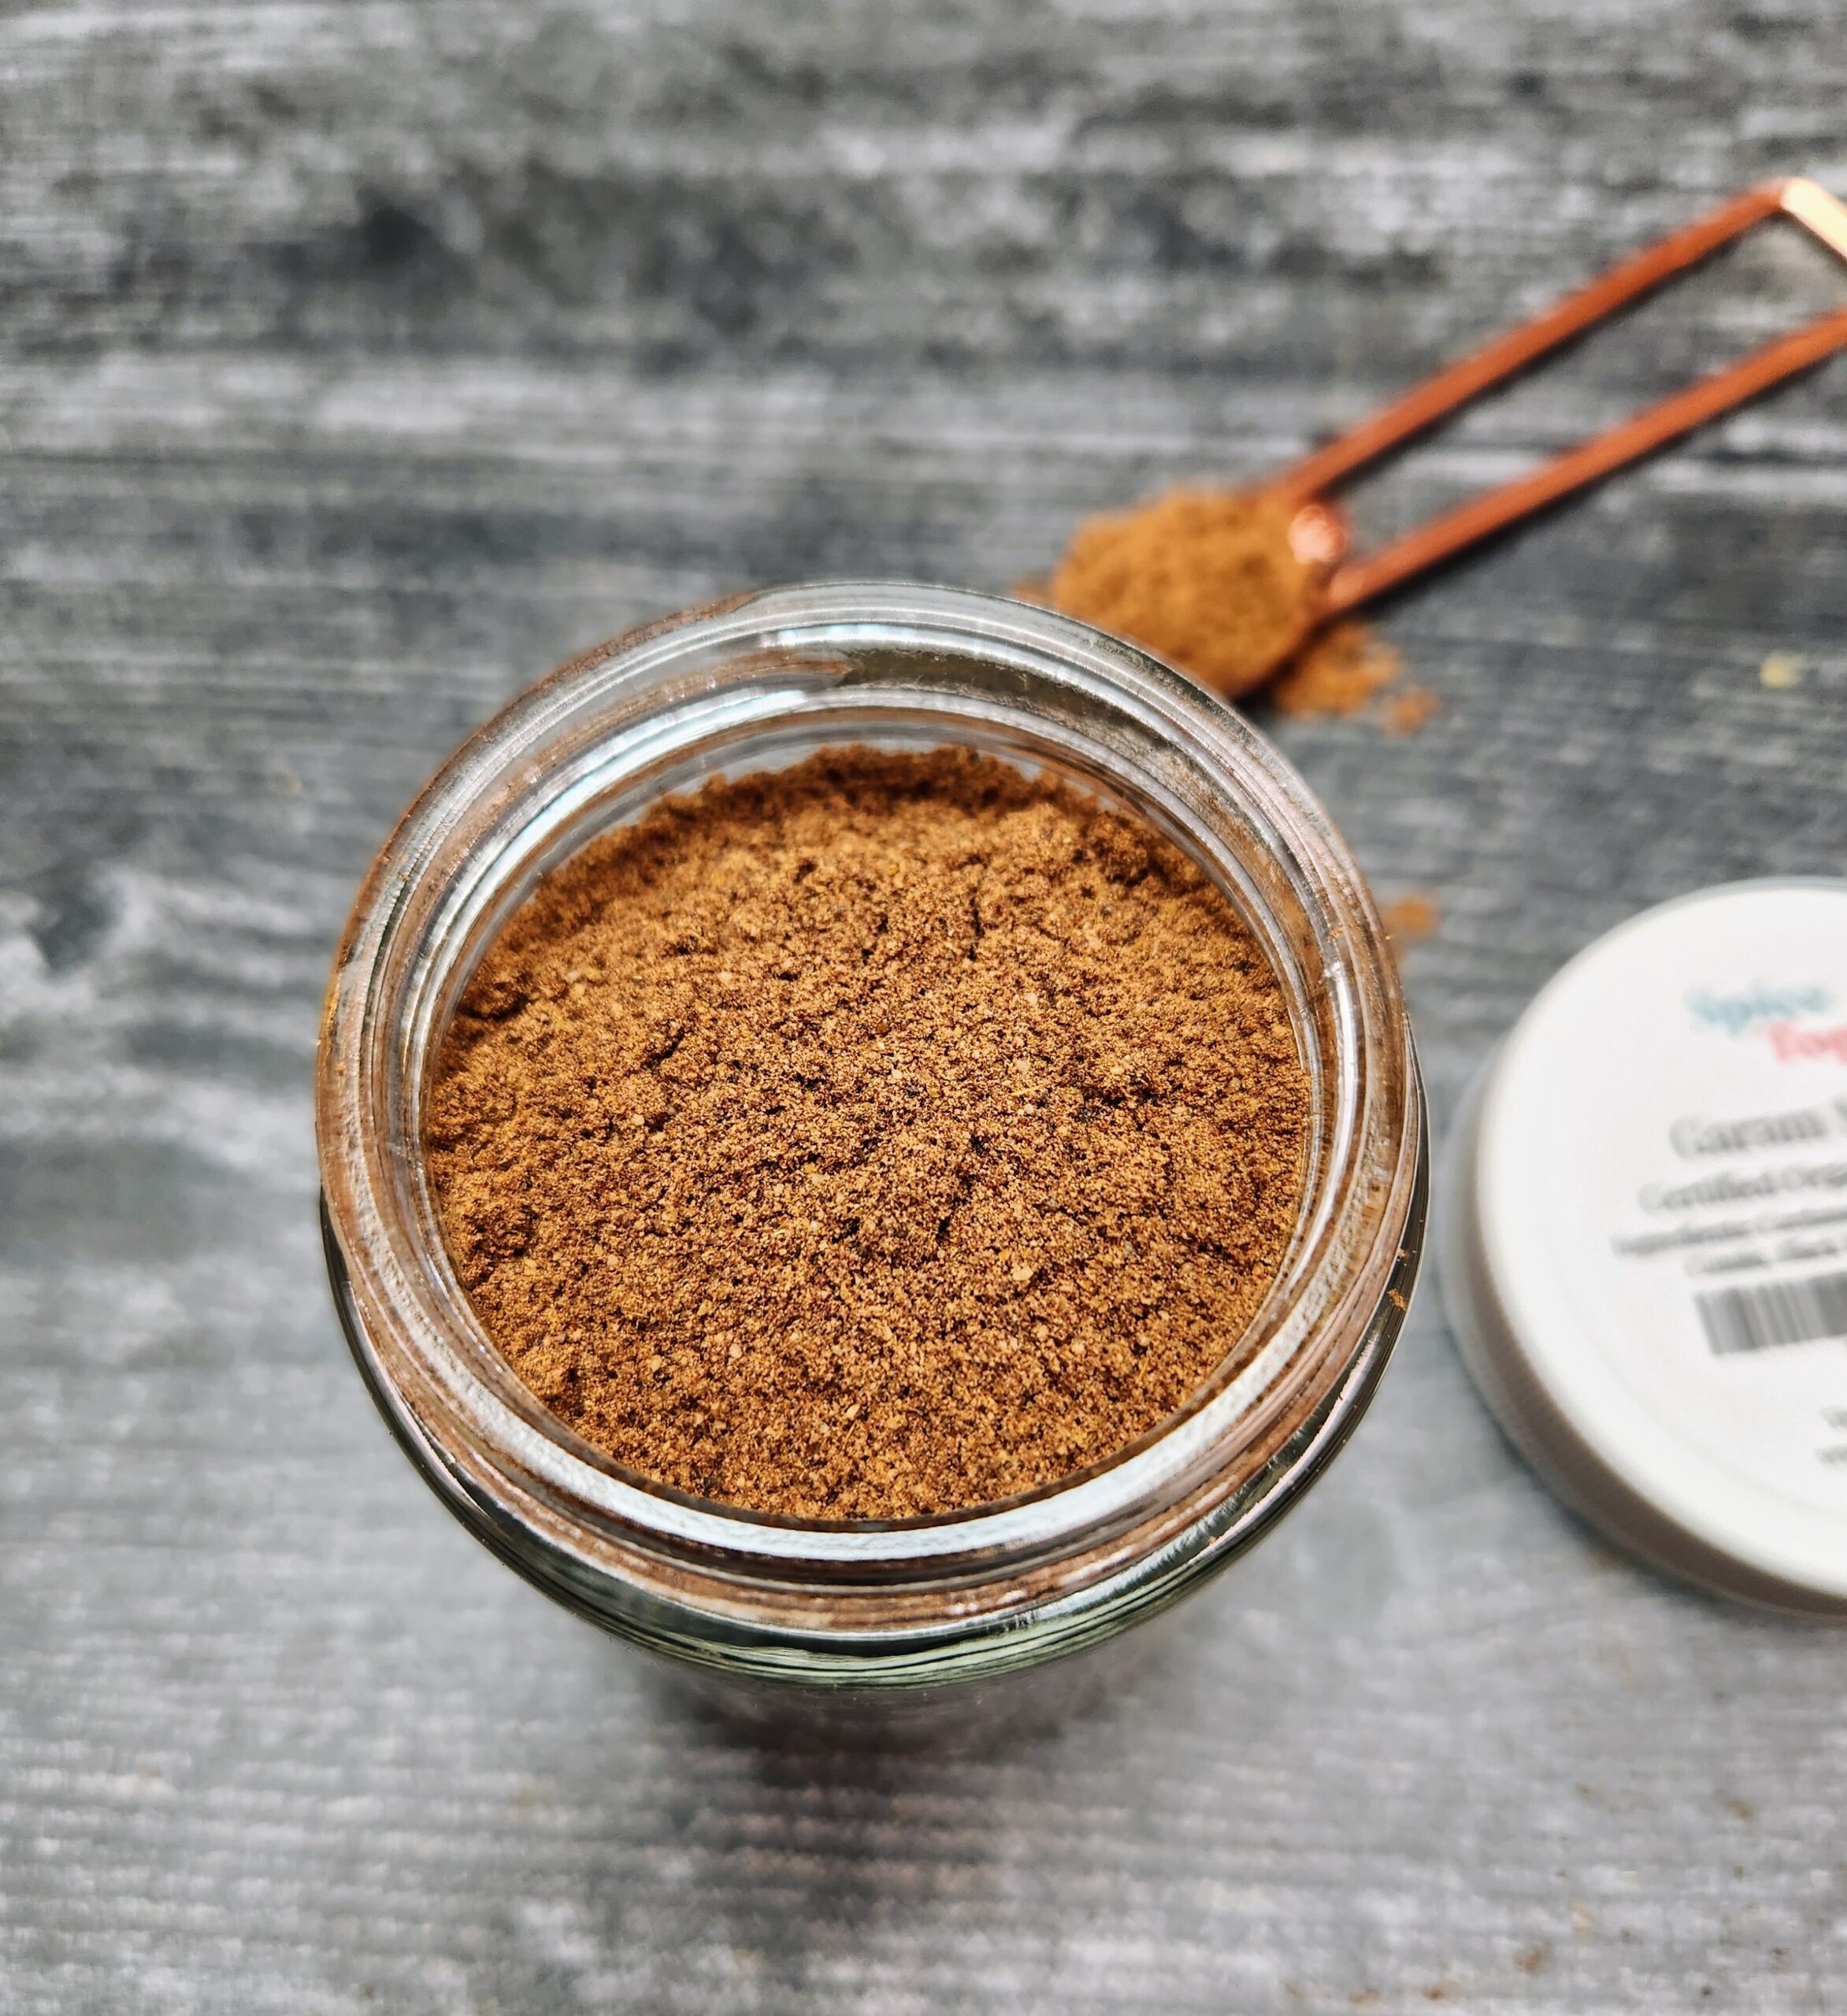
(1643, 1237)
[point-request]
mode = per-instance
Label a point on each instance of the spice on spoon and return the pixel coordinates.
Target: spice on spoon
(1231, 586)
(1206, 579)
(1212, 581)
(880, 1136)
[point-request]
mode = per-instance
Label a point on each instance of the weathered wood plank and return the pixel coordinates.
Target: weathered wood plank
(361, 361)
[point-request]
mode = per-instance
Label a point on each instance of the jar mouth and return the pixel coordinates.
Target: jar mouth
(751, 685)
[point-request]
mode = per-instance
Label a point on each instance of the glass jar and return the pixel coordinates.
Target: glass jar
(886, 1609)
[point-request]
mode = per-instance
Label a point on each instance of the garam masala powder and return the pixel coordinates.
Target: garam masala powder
(879, 1136)
(1209, 581)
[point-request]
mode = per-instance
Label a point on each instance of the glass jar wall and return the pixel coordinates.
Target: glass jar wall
(887, 1609)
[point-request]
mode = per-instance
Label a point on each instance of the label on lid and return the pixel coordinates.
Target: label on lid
(1662, 1201)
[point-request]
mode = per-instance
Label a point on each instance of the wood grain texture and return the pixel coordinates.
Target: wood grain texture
(361, 361)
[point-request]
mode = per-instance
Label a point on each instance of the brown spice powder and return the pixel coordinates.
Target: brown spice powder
(1338, 673)
(1411, 711)
(1205, 579)
(1209, 580)
(1410, 918)
(880, 1136)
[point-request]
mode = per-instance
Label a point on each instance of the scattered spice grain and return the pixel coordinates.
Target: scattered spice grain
(1338, 673)
(1410, 918)
(879, 1136)
(1410, 712)
(1781, 671)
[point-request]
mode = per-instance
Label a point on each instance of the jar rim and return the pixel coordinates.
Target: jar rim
(459, 851)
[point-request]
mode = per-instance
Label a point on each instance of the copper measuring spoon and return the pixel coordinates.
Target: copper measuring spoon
(1317, 533)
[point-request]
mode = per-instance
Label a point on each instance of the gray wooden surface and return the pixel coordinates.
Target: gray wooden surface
(360, 361)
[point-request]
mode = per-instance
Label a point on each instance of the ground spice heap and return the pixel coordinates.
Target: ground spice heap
(880, 1136)
(1208, 580)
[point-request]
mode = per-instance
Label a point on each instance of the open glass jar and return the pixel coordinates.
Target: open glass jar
(888, 1609)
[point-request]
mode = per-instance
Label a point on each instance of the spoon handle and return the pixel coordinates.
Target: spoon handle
(1805, 201)
(1360, 580)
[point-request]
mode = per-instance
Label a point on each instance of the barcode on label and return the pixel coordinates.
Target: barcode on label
(1754, 1319)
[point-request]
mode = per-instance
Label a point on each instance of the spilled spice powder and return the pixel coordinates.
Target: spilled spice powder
(1410, 918)
(1338, 673)
(1411, 712)
(879, 1136)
